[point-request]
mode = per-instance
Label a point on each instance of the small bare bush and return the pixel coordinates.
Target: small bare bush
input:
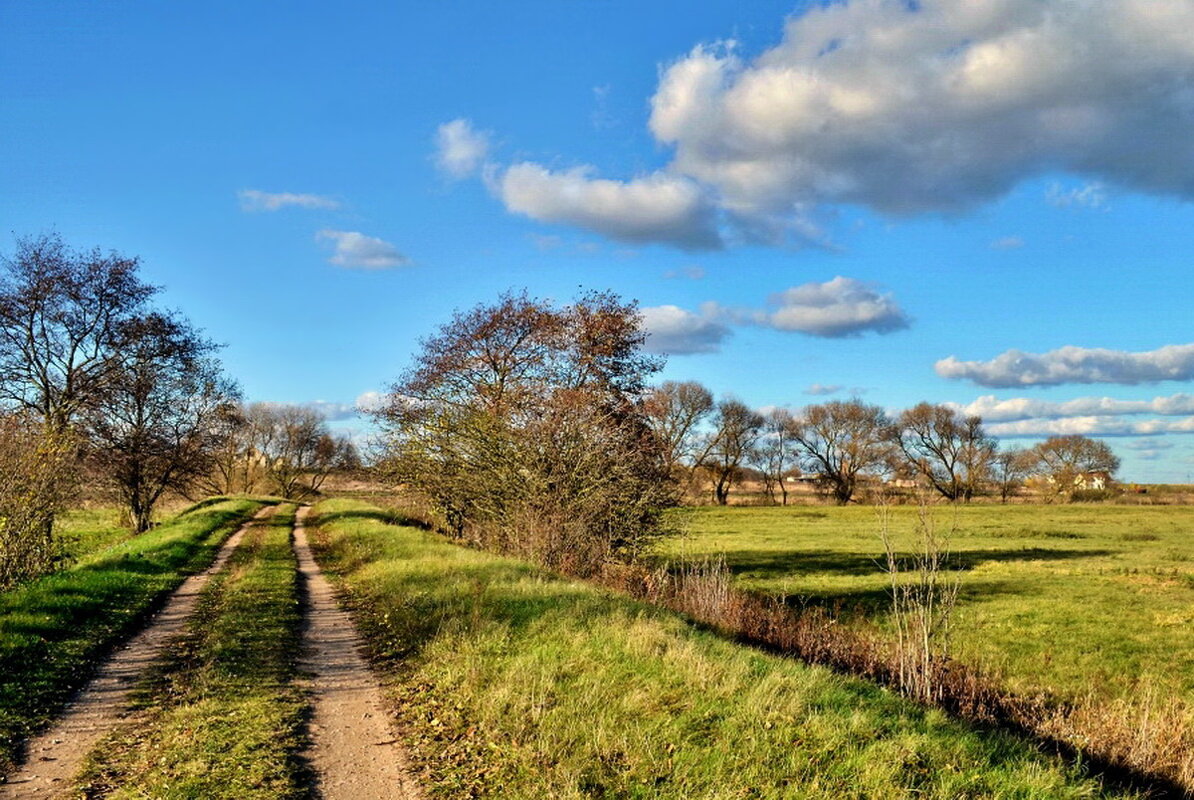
(35, 475)
(923, 596)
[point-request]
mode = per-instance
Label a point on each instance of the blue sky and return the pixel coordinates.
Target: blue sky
(807, 201)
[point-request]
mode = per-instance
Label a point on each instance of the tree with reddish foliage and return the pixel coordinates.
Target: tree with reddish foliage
(523, 423)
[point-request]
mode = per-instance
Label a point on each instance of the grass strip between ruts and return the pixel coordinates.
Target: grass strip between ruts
(54, 631)
(512, 683)
(221, 716)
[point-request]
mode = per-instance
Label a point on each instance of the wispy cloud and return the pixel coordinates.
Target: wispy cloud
(356, 250)
(693, 272)
(1007, 243)
(1074, 365)
(821, 390)
(1092, 195)
(460, 148)
(255, 200)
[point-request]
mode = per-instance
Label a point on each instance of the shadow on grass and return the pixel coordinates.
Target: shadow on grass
(378, 515)
(781, 563)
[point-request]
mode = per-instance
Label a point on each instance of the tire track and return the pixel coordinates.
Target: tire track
(54, 757)
(353, 750)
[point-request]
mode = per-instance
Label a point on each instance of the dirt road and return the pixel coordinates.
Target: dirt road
(354, 749)
(53, 758)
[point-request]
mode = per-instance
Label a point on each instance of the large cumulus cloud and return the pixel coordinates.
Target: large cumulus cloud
(936, 106)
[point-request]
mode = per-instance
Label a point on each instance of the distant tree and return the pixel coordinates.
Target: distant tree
(1064, 459)
(65, 321)
(947, 449)
(156, 426)
(236, 466)
(736, 429)
(523, 423)
(1009, 468)
(675, 411)
(296, 449)
(842, 440)
(775, 453)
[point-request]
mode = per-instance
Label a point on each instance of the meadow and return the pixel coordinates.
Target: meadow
(512, 682)
(1076, 600)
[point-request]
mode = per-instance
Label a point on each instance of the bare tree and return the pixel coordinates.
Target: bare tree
(775, 453)
(65, 319)
(736, 429)
(295, 447)
(950, 451)
(1009, 469)
(1063, 460)
(523, 424)
(675, 411)
(156, 427)
(842, 440)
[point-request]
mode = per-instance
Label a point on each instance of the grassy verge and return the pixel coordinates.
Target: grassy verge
(510, 683)
(55, 630)
(221, 717)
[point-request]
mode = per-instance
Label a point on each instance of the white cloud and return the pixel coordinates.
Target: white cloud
(833, 309)
(255, 200)
(992, 409)
(353, 249)
(693, 273)
(675, 331)
(1091, 195)
(1007, 243)
(368, 402)
(937, 105)
(933, 106)
(1090, 426)
(460, 149)
(820, 390)
(659, 207)
(1074, 365)
(1148, 444)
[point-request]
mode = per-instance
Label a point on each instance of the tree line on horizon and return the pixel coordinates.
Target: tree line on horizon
(840, 444)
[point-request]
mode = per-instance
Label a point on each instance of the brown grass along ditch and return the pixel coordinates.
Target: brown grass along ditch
(1150, 749)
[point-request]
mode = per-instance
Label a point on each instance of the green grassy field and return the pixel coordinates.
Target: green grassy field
(1075, 599)
(222, 717)
(54, 630)
(82, 532)
(511, 683)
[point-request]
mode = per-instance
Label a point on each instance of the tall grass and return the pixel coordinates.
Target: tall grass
(512, 683)
(55, 630)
